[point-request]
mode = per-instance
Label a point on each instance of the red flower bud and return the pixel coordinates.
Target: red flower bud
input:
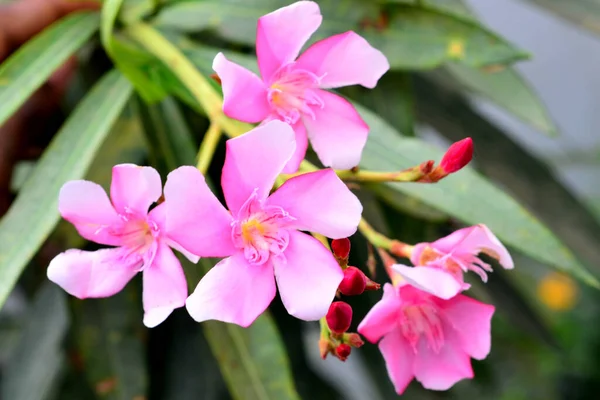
(353, 339)
(343, 351)
(457, 156)
(341, 248)
(354, 282)
(339, 317)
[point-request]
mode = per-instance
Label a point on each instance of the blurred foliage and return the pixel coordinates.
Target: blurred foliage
(128, 106)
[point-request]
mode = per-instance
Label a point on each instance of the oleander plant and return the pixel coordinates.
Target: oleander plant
(239, 203)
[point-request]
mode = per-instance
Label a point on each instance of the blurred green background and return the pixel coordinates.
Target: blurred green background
(519, 77)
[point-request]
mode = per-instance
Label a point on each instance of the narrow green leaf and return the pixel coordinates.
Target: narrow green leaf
(509, 90)
(252, 360)
(584, 13)
(108, 337)
(35, 365)
(34, 213)
(413, 37)
(30, 66)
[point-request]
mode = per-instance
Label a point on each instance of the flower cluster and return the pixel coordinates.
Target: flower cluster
(425, 327)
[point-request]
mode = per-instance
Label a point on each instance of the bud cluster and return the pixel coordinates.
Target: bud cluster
(334, 336)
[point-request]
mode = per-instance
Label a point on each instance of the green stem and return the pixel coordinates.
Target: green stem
(199, 87)
(208, 146)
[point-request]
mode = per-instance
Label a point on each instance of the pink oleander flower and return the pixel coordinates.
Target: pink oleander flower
(260, 234)
(139, 237)
(291, 89)
(428, 338)
(453, 256)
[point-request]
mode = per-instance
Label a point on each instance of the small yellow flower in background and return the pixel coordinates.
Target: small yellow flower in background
(557, 291)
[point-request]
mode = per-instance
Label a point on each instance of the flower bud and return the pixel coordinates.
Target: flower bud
(353, 339)
(339, 317)
(354, 282)
(341, 248)
(371, 285)
(343, 351)
(324, 347)
(457, 156)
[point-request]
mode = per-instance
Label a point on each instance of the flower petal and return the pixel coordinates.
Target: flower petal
(301, 146)
(440, 371)
(244, 94)
(165, 287)
(337, 133)
(233, 291)
(473, 240)
(281, 34)
(133, 189)
(158, 215)
(86, 205)
(431, 280)
(472, 321)
(86, 274)
(308, 278)
(195, 219)
(253, 161)
(383, 317)
(344, 59)
(321, 203)
(399, 358)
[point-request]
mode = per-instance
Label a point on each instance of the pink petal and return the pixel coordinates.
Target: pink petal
(337, 133)
(383, 317)
(442, 370)
(308, 278)
(165, 287)
(195, 219)
(472, 240)
(133, 189)
(431, 280)
(344, 59)
(86, 274)
(253, 161)
(244, 94)
(472, 321)
(233, 291)
(399, 358)
(158, 215)
(321, 203)
(301, 146)
(86, 205)
(281, 34)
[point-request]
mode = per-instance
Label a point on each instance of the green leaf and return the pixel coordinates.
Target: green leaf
(515, 168)
(34, 213)
(508, 90)
(30, 66)
(35, 365)
(108, 337)
(585, 13)
(414, 37)
(252, 360)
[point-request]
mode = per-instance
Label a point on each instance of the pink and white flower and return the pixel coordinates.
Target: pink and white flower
(452, 256)
(291, 89)
(260, 234)
(139, 236)
(428, 338)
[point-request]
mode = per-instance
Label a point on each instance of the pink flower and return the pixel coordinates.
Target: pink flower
(139, 236)
(427, 337)
(452, 256)
(259, 234)
(291, 89)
